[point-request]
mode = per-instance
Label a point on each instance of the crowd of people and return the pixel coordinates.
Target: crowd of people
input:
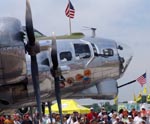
(102, 117)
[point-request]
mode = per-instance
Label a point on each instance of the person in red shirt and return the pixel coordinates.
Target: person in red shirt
(2, 119)
(133, 112)
(92, 115)
(143, 112)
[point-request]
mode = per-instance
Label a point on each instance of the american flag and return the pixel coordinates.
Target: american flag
(70, 11)
(142, 79)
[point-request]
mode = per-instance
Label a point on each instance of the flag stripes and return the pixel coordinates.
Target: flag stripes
(142, 79)
(70, 11)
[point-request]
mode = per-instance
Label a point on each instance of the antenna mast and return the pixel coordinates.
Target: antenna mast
(93, 32)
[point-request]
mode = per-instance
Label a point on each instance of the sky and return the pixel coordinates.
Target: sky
(126, 21)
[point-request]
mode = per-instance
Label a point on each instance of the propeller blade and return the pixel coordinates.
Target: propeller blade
(29, 24)
(50, 111)
(58, 97)
(35, 79)
(54, 53)
(57, 76)
(43, 108)
(32, 53)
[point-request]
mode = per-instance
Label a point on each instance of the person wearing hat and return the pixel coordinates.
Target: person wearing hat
(130, 119)
(92, 115)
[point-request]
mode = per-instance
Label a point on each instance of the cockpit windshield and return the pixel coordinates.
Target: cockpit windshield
(82, 50)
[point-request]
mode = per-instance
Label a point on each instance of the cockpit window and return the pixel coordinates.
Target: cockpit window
(82, 50)
(65, 56)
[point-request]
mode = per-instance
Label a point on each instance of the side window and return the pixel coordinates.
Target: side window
(82, 50)
(107, 52)
(65, 56)
(94, 49)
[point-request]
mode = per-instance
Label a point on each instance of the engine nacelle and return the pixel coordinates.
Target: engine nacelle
(12, 52)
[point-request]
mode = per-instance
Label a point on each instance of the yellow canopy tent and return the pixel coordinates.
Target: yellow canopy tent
(68, 107)
(139, 98)
(148, 98)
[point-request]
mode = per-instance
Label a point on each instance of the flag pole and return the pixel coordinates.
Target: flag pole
(69, 26)
(69, 20)
(146, 82)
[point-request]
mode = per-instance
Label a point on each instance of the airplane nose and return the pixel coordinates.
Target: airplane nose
(125, 56)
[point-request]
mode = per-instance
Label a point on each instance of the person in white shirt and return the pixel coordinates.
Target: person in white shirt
(48, 120)
(137, 118)
(116, 121)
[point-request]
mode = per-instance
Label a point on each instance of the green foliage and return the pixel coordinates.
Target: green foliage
(106, 105)
(110, 107)
(76, 35)
(96, 107)
(143, 99)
